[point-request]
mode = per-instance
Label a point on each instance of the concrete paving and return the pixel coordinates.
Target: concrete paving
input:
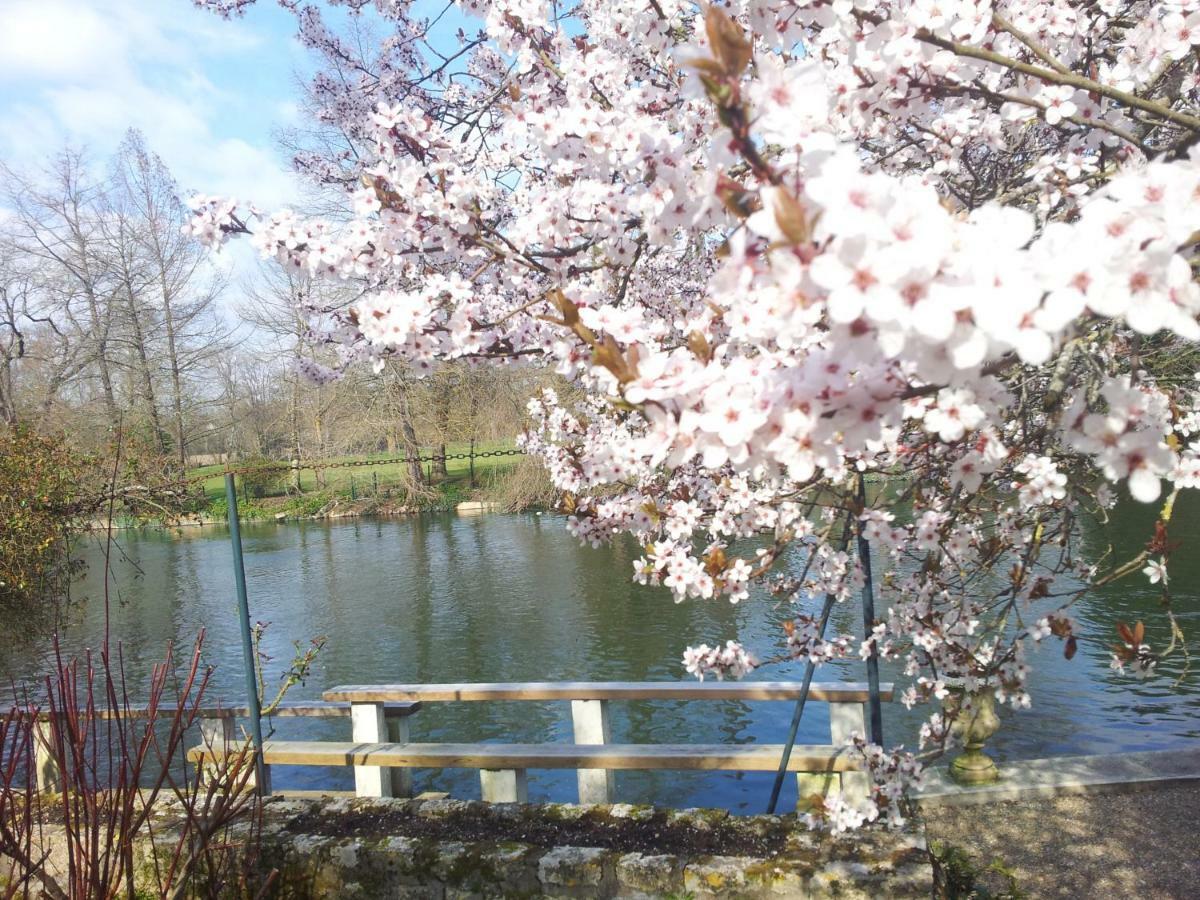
(1068, 775)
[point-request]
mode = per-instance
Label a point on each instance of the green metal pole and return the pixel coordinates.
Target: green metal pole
(868, 598)
(798, 711)
(239, 577)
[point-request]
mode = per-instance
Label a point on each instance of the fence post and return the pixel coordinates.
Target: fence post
(375, 480)
(471, 458)
(353, 489)
(590, 719)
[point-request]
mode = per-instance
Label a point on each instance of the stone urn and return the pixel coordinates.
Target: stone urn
(975, 721)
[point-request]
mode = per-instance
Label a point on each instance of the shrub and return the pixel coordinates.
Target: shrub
(47, 493)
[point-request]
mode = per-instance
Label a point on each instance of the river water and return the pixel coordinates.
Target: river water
(442, 598)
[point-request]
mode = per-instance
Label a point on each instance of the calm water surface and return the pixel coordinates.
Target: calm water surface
(515, 598)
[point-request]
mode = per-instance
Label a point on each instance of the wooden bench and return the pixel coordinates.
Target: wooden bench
(503, 767)
(218, 728)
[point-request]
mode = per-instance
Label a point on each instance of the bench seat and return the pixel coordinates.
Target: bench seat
(836, 692)
(315, 709)
(736, 757)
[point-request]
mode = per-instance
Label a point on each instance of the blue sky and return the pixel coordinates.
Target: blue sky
(206, 92)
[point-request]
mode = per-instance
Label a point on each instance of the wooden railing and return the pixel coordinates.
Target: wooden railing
(374, 751)
(218, 728)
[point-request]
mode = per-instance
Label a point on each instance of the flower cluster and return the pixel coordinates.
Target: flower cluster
(730, 661)
(891, 774)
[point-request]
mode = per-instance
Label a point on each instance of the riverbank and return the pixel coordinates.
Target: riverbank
(319, 507)
(336, 508)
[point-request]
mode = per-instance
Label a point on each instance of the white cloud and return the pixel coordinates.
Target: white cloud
(84, 71)
(248, 172)
(57, 40)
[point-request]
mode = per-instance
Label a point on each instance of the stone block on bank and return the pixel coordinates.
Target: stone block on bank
(574, 867)
(652, 876)
(700, 819)
(441, 809)
(638, 813)
(717, 876)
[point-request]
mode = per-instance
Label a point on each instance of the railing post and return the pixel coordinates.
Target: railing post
(590, 718)
(504, 785)
(798, 711)
(369, 727)
(397, 732)
(845, 720)
(875, 736)
(49, 778)
(253, 701)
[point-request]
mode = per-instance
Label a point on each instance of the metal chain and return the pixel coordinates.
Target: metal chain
(313, 466)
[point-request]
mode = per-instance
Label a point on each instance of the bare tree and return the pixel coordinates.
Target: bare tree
(55, 223)
(183, 287)
(136, 334)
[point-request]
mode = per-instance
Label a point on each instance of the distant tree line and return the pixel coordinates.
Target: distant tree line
(108, 312)
(111, 319)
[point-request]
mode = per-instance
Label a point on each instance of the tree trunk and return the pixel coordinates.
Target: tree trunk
(439, 464)
(412, 451)
(8, 402)
(88, 281)
(444, 399)
(144, 370)
(176, 381)
(100, 332)
(294, 413)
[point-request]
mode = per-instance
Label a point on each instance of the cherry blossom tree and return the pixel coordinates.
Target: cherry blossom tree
(783, 245)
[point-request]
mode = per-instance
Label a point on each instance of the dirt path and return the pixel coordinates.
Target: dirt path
(1143, 845)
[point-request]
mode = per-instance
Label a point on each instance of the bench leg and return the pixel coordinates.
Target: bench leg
(49, 779)
(846, 719)
(402, 779)
(590, 718)
(219, 735)
(369, 726)
(504, 785)
(813, 784)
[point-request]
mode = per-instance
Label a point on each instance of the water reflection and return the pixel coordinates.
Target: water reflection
(515, 598)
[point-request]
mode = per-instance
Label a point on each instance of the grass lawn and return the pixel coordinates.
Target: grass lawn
(390, 475)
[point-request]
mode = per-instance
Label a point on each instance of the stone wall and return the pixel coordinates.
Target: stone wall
(451, 849)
